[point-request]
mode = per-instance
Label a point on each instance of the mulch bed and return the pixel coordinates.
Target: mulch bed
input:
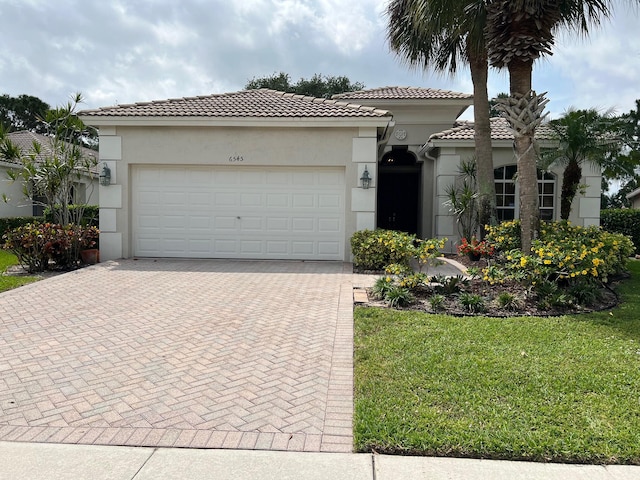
(528, 304)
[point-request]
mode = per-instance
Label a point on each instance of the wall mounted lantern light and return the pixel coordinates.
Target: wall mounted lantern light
(105, 175)
(365, 179)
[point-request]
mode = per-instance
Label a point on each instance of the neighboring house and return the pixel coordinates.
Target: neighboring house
(634, 198)
(261, 174)
(86, 189)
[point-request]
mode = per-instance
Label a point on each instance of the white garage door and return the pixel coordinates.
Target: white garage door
(238, 212)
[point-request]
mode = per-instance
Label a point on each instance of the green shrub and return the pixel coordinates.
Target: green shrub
(585, 292)
(382, 286)
(38, 244)
(7, 224)
(504, 236)
(375, 249)
(449, 285)
(398, 296)
(27, 242)
(508, 301)
(566, 252)
(472, 302)
(437, 302)
(624, 221)
(90, 214)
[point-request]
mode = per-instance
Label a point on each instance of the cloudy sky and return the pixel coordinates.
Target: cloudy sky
(123, 51)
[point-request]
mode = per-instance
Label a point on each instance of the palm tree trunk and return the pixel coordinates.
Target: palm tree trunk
(483, 149)
(570, 181)
(520, 74)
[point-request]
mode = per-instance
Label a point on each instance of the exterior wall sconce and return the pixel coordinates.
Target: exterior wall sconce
(105, 175)
(365, 179)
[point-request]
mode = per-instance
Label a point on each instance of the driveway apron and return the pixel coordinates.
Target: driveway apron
(181, 353)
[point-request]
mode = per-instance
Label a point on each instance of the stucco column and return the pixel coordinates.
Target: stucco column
(110, 195)
(363, 201)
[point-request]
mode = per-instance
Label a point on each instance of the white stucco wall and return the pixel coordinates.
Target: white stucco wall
(16, 205)
(19, 206)
(351, 148)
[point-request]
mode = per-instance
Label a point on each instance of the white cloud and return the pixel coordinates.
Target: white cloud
(152, 49)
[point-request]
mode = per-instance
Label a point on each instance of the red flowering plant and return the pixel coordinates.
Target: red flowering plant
(475, 248)
(89, 238)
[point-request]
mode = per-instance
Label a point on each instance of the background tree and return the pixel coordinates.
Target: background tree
(494, 110)
(319, 86)
(23, 112)
(518, 33)
(440, 34)
(52, 173)
(624, 172)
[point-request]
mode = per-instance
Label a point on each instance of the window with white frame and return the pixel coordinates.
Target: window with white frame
(507, 193)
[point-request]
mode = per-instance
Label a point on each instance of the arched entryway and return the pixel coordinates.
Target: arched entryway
(399, 186)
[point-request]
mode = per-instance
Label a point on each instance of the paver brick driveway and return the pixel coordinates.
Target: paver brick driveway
(213, 354)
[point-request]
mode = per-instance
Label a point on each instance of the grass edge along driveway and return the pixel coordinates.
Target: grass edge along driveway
(563, 389)
(7, 282)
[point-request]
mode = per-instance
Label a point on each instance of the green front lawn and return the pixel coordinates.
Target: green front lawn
(563, 389)
(8, 282)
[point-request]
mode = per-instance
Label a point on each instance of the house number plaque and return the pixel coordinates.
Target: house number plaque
(236, 158)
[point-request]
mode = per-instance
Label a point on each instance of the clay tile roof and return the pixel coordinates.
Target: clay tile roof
(24, 139)
(399, 93)
(463, 130)
(262, 103)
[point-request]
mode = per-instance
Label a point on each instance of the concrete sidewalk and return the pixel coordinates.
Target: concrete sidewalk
(30, 461)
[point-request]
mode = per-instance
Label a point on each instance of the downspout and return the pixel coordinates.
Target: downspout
(384, 138)
(428, 150)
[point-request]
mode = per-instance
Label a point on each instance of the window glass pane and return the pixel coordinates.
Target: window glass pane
(548, 188)
(547, 201)
(510, 188)
(510, 171)
(546, 214)
(498, 173)
(510, 200)
(505, 214)
(499, 188)
(500, 201)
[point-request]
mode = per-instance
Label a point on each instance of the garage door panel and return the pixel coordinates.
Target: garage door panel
(303, 200)
(251, 224)
(329, 225)
(275, 224)
(249, 248)
(329, 201)
(328, 248)
(251, 200)
(307, 179)
(303, 224)
(238, 212)
(277, 200)
(224, 224)
(225, 199)
(275, 177)
(303, 248)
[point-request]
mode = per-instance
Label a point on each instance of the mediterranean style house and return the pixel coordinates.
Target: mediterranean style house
(261, 174)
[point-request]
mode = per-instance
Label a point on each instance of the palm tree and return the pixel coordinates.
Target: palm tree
(440, 34)
(518, 33)
(584, 136)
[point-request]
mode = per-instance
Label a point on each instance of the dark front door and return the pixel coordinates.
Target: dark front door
(399, 195)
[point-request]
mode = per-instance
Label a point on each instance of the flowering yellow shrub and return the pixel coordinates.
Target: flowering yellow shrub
(566, 251)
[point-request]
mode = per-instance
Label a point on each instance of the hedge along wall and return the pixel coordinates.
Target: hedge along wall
(625, 221)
